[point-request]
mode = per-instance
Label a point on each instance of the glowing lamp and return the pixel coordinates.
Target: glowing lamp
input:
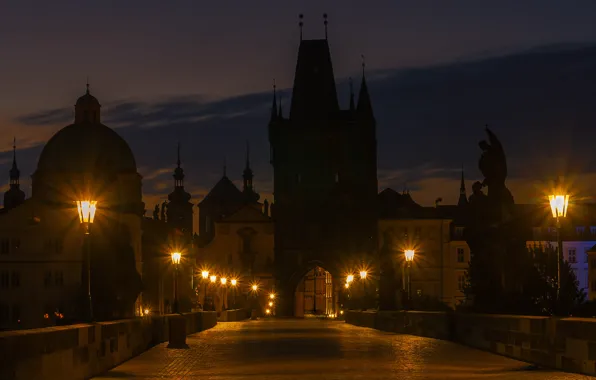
(559, 204)
(347, 285)
(176, 256)
(409, 254)
(234, 282)
(268, 311)
(205, 274)
(255, 287)
(350, 278)
(213, 278)
(272, 296)
(224, 280)
(270, 304)
(363, 274)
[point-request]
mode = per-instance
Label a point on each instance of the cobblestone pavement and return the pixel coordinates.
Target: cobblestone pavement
(317, 349)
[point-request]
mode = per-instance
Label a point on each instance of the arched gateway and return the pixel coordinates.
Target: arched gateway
(325, 179)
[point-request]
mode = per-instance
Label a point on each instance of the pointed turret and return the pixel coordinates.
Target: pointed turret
(364, 107)
(248, 189)
(463, 199)
(14, 196)
(179, 208)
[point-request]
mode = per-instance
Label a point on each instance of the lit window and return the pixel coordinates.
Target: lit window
(580, 230)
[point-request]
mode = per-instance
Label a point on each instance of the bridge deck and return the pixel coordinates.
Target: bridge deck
(318, 349)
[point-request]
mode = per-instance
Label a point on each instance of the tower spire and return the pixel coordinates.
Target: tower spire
(325, 23)
(364, 104)
(178, 172)
(300, 24)
(87, 85)
(279, 113)
(463, 199)
(225, 167)
(14, 196)
(248, 189)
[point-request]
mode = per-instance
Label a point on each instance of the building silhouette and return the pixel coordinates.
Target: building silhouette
(325, 174)
(179, 208)
(14, 196)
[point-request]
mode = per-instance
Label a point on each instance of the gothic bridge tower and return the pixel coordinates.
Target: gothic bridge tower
(325, 175)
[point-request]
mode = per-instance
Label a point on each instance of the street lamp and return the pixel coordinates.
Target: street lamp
(559, 202)
(224, 295)
(363, 275)
(87, 211)
(272, 296)
(205, 276)
(255, 287)
(409, 255)
(176, 256)
(350, 278)
(234, 282)
(213, 279)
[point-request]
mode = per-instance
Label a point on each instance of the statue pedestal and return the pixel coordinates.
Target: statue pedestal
(177, 334)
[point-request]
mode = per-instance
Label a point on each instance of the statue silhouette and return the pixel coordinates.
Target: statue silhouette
(156, 212)
(164, 206)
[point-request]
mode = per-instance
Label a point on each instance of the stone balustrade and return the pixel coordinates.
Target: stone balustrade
(568, 344)
(234, 315)
(85, 350)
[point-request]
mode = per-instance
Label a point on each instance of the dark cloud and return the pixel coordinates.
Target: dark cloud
(540, 103)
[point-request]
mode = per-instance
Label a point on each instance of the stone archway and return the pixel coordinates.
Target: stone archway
(314, 294)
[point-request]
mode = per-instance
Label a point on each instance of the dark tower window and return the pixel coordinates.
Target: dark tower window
(336, 177)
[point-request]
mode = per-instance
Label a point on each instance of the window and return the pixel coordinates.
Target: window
(580, 230)
(461, 255)
(5, 246)
(417, 232)
(336, 177)
(405, 232)
(47, 280)
(4, 280)
(15, 279)
(59, 278)
(586, 255)
(593, 230)
(461, 282)
(572, 258)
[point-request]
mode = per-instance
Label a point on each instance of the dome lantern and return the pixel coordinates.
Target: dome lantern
(87, 109)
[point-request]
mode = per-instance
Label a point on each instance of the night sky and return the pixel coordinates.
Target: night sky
(201, 73)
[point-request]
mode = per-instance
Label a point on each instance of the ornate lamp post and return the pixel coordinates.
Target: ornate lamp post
(559, 201)
(176, 256)
(224, 295)
(87, 211)
(409, 255)
(363, 276)
(234, 282)
(205, 276)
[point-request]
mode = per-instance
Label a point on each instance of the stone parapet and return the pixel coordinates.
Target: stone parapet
(234, 315)
(568, 344)
(85, 350)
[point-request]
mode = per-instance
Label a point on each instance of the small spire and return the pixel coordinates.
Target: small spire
(87, 92)
(364, 104)
(352, 105)
(14, 171)
(463, 199)
(225, 167)
(279, 113)
(178, 153)
(300, 24)
(325, 23)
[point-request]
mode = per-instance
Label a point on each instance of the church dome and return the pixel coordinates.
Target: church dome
(87, 147)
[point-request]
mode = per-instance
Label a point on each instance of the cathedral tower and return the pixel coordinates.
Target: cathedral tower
(325, 173)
